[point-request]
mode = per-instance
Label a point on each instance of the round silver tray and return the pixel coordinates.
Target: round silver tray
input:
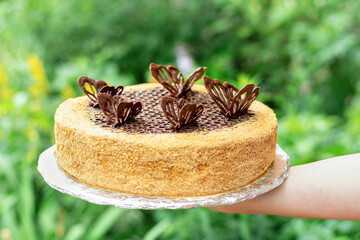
(57, 179)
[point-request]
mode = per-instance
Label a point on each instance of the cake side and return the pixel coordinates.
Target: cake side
(164, 165)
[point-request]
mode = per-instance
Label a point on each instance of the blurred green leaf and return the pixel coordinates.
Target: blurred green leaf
(157, 230)
(104, 222)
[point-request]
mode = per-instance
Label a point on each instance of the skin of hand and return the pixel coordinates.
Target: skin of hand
(326, 189)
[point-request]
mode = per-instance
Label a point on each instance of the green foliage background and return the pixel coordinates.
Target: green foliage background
(305, 55)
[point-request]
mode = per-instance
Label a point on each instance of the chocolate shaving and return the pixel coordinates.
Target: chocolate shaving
(173, 80)
(118, 112)
(180, 113)
(229, 99)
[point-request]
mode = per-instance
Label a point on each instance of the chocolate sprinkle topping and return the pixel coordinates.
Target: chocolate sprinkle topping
(152, 120)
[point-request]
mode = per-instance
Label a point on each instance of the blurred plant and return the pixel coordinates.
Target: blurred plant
(40, 86)
(6, 91)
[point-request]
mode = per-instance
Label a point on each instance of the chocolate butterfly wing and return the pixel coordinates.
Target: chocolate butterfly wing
(219, 94)
(194, 77)
(127, 111)
(112, 90)
(135, 110)
(230, 90)
(235, 99)
(189, 113)
(239, 104)
(170, 77)
(99, 84)
(170, 108)
(91, 88)
(106, 103)
(180, 113)
(229, 98)
(251, 96)
(181, 102)
(87, 85)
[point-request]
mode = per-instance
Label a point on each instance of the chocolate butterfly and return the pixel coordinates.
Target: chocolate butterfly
(118, 112)
(173, 80)
(93, 87)
(229, 98)
(180, 113)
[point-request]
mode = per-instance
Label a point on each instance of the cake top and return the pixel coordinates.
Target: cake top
(75, 114)
(152, 119)
(184, 109)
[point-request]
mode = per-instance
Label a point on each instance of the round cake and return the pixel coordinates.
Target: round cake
(149, 158)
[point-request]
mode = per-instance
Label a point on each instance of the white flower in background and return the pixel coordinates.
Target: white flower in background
(184, 61)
